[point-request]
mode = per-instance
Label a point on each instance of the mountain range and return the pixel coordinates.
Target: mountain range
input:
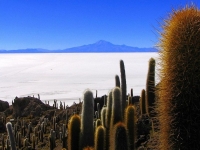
(98, 47)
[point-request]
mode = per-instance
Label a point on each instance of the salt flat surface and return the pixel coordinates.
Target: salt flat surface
(66, 76)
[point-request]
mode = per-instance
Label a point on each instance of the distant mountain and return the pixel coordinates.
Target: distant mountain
(98, 47)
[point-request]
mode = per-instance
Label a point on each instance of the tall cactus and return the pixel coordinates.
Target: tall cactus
(87, 132)
(52, 140)
(117, 81)
(123, 85)
(130, 122)
(99, 140)
(103, 116)
(143, 103)
(99, 111)
(11, 135)
(179, 90)
(109, 109)
(2, 142)
(33, 141)
(108, 117)
(116, 115)
(74, 132)
(150, 87)
(119, 138)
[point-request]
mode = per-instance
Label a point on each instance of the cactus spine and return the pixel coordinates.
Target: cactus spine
(99, 138)
(150, 87)
(11, 136)
(130, 122)
(87, 132)
(74, 132)
(123, 86)
(180, 85)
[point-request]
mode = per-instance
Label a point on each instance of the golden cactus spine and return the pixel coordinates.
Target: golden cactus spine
(119, 138)
(99, 141)
(116, 114)
(179, 98)
(73, 132)
(130, 122)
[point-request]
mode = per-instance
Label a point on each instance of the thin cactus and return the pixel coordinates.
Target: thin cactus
(119, 137)
(99, 111)
(99, 140)
(33, 141)
(123, 86)
(130, 122)
(52, 140)
(87, 132)
(3, 142)
(117, 81)
(103, 116)
(143, 103)
(11, 135)
(116, 115)
(74, 132)
(150, 87)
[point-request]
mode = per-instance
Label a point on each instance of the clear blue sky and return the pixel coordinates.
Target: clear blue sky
(60, 24)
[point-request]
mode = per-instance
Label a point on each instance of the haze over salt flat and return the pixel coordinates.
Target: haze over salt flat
(65, 76)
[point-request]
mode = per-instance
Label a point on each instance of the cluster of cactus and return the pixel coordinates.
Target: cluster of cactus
(112, 127)
(117, 126)
(28, 136)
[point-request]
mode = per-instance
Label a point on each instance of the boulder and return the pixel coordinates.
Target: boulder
(25, 106)
(3, 105)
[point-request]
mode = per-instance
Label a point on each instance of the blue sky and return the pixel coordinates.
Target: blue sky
(60, 24)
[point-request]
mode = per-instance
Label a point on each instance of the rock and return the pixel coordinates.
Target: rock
(3, 105)
(101, 102)
(144, 126)
(2, 127)
(25, 106)
(9, 111)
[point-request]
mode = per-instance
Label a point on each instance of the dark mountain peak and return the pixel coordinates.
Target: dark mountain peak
(103, 42)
